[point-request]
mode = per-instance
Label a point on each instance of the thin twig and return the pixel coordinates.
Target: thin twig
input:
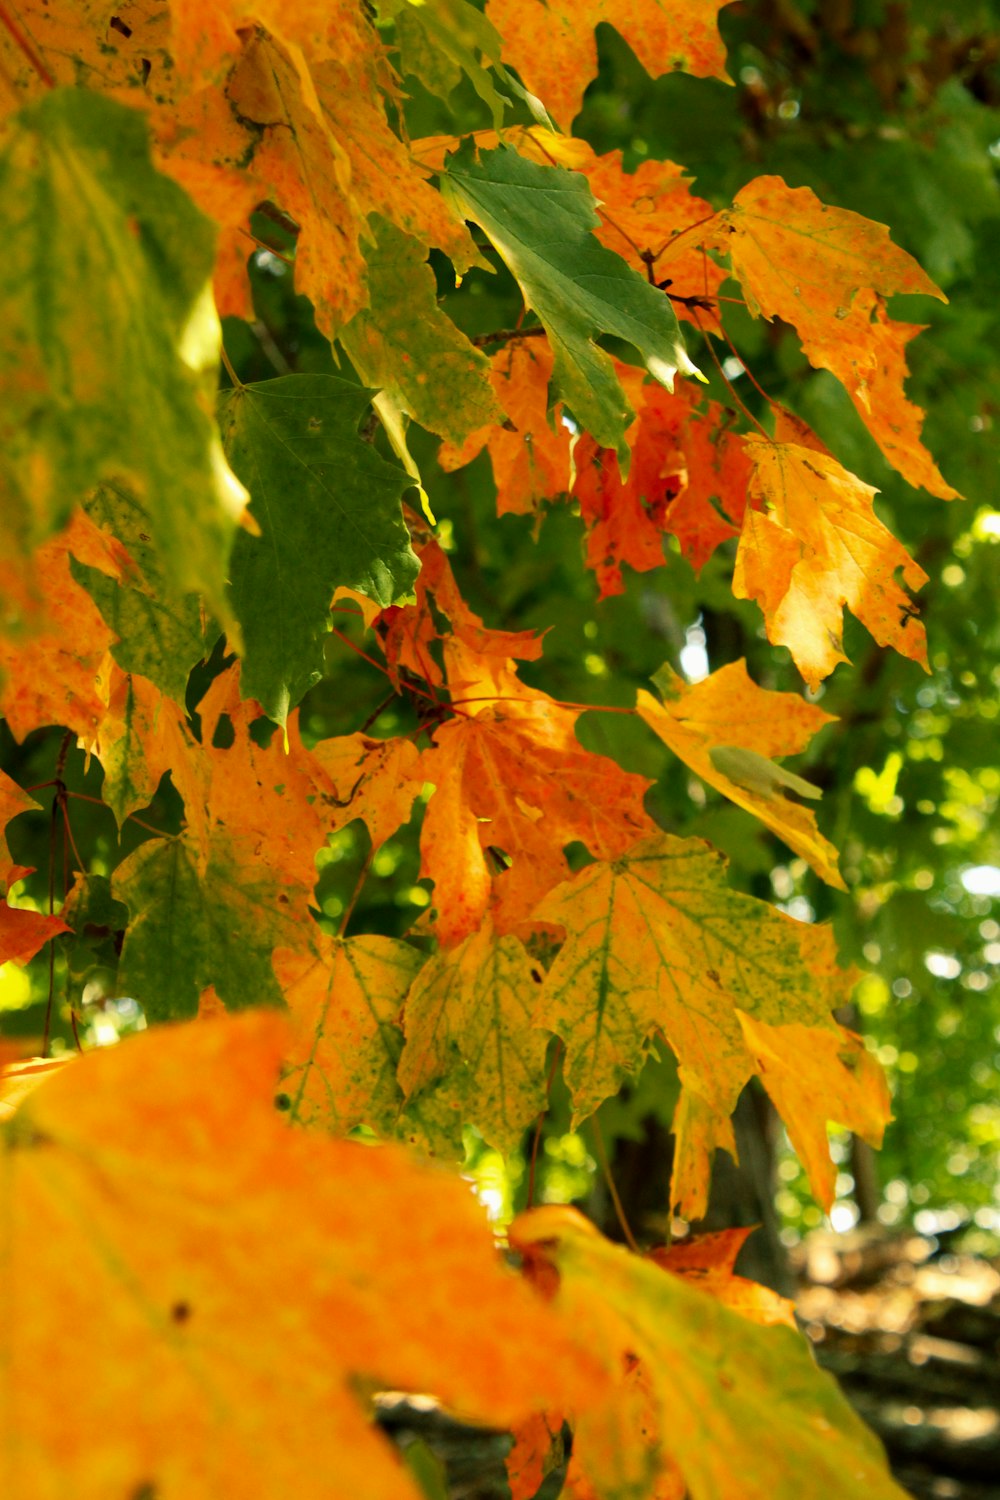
(728, 383)
(362, 877)
(377, 713)
(602, 1161)
(502, 335)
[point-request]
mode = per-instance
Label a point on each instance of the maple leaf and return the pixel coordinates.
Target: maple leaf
(54, 650)
(14, 800)
(468, 1022)
(377, 780)
(346, 999)
(403, 344)
(261, 792)
(131, 744)
(699, 1131)
(819, 269)
(339, 526)
(514, 778)
(160, 634)
(131, 306)
(681, 462)
(708, 1260)
(641, 213)
(438, 43)
(540, 220)
(814, 1076)
(656, 942)
(530, 454)
(816, 547)
(716, 1379)
(552, 45)
(179, 1199)
(325, 153)
(23, 933)
(192, 926)
(728, 709)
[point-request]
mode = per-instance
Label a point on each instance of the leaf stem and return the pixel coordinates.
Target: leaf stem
(602, 1161)
(227, 365)
(362, 877)
(728, 383)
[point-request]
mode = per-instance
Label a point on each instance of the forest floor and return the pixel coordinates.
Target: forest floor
(912, 1332)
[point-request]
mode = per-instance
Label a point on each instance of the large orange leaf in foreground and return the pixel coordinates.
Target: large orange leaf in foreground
(196, 1296)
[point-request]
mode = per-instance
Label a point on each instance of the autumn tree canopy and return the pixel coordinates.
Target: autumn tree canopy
(344, 654)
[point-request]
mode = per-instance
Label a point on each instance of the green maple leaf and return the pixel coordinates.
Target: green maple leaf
(328, 508)
(541, 221)
(194, 927)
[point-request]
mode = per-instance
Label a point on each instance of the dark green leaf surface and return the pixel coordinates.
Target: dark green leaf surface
(541, 221)
(161, 634)
(192, 928)
(328, 508)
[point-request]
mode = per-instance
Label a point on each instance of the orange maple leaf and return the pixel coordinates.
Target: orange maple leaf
(825, 270)
(728, 709)
(817, 545)
(531, 455)
(176, 1246)
(708, 1260)
(552, 45)
(814, 1076)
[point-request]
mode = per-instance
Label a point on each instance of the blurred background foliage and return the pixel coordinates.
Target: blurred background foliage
(889, 109)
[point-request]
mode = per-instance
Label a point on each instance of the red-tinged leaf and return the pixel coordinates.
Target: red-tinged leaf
(513, 778)
(176, 1247)
(707, 1260)
(727, 709)
(23, 933)
(714, 1381)
(814, 1076)
(468, 1029)
(13, 802)
(553, 48)
(817, 547)
(476, 658)
(681, 462)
